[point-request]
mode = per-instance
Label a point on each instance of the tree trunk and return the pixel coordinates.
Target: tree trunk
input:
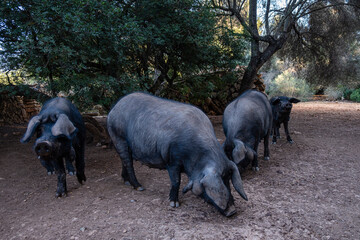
(249, 75)
(257, 61)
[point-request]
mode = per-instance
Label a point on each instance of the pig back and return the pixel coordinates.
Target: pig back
(156, 128)
(249, 114)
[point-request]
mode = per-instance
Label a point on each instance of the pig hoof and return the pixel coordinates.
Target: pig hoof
(291, 141)
(58, 195)
(140, 188)
(71, 173)
(266, 158)
(49, 173)
(230, 211)
(256, 169)
(273, 143)
(81, 177)
(127, 183)
(174, 204)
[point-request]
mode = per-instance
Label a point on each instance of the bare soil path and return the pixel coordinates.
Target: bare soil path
(308, 190)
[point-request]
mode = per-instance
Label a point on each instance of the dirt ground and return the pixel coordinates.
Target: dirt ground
(308, 190)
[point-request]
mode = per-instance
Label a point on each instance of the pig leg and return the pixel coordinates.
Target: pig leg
(274, 135)
(175, 178)
(255, 162)
(48, 165)
(69, 166)
(68, 162)
(125, 174)
(266, 146)
(286, 127)
(61, 185)
(277, 129)
(80, 163)
(128, 172)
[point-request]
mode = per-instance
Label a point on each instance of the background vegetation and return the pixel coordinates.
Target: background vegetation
(96, 51)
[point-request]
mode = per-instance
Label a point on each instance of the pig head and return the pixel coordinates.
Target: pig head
(281, 108)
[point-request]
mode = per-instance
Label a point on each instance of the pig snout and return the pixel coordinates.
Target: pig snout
(287, 107)
(43, 149)
(230, 211)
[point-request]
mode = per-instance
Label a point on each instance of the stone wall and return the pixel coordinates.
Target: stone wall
(16, 109)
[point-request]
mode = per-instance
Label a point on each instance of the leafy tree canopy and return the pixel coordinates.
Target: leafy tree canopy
(97, 50)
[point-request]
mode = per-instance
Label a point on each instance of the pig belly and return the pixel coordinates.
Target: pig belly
(152, 161)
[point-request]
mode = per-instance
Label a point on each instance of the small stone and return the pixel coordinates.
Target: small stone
(98, 144)
(83, 229)
(92, 232)
(132, 200)
(125, 231)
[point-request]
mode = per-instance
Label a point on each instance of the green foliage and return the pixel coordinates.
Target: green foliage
(355, 95)
(96, 51)
(288, 84)
(347, 93)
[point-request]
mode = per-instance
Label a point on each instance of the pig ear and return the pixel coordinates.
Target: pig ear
(195, 186)
(250, 153)
(33, 124)
(275, 100)
(236, 180)
(188, 186)
(239, 151)
(216, 190)
(63, 127)
(294, 100)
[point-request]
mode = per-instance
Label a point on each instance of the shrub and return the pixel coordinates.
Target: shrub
(288, 84)
(333, 93)
(355, 95)
(347, 93)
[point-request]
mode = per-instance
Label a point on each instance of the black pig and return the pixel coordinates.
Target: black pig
(60, 134)
(246, 121)
(165, 134)
(281, 108)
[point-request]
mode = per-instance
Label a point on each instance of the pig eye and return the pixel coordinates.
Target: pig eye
(62, 138)
(39, 131)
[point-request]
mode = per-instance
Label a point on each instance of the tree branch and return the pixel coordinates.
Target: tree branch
(267, 28)
(304, 13)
